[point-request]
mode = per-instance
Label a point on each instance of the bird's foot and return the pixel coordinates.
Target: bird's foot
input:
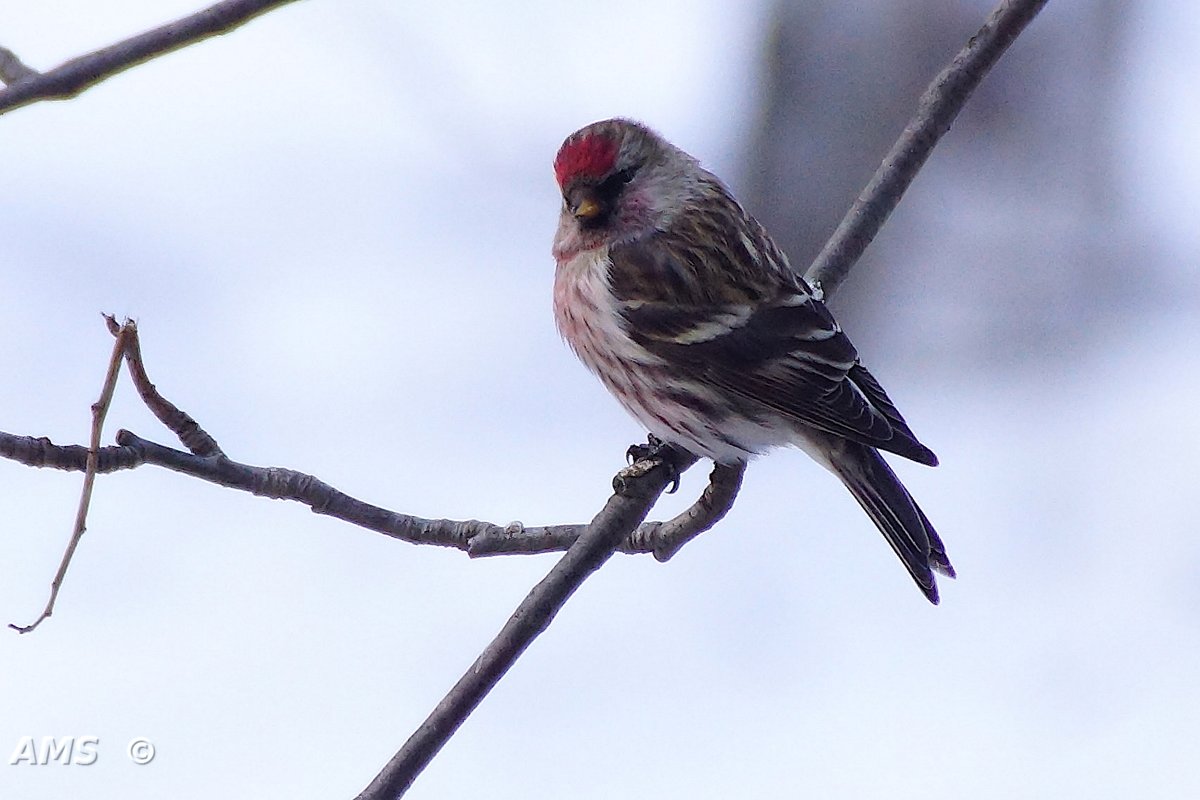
(651, 455)
(642, 452)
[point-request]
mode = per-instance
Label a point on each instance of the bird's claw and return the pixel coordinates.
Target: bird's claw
(654, 453)
(642, 452)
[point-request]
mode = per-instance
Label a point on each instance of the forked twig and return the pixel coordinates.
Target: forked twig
(99, 412)
(621, 514)
(476, 538)
(180, 423)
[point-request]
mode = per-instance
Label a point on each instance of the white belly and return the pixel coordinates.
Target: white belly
(588, 318)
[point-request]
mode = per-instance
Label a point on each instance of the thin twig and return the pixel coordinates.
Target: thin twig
(179, 422)
(69, 79)
(99, 412)
(665, 539)
(12, 69)
(936, 111)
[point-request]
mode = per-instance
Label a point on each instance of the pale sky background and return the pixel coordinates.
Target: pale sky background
(333, 228)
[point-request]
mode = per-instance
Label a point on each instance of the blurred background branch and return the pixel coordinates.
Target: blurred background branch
(939, 105)
(1014, 239)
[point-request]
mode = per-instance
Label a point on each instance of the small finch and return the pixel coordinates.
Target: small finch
(684, 307)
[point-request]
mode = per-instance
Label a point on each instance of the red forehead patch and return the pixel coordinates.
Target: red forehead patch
(589, 156)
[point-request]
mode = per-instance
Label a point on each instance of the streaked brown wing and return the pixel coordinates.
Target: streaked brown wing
(759, 338)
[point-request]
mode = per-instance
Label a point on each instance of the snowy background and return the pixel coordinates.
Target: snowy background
(333, 228)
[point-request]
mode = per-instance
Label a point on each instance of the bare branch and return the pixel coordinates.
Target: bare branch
(181, 424)
(940, 104)
(663, 539)
(476, 538)
(12, 69)
(620, 515)
(99, 412)
(41, 452)
(27, 86)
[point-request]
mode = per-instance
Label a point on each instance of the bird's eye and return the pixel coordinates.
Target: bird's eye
(612, 185)
(624, 176)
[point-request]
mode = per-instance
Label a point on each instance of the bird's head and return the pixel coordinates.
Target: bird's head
(619, 178)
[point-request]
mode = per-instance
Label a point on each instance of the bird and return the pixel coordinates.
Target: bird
(690, 314)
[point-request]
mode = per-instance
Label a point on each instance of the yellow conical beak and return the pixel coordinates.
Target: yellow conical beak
(586, 209)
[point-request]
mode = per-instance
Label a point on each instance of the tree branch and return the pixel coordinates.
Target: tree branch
(474, 537)
(27, 86)
(663, 539)
(208, 462)
(621, 514)
(194, 438)
(936, 111)
(12, 69)
(619, 526)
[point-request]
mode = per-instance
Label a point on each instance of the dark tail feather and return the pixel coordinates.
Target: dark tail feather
(938, 559)
(894, 512)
